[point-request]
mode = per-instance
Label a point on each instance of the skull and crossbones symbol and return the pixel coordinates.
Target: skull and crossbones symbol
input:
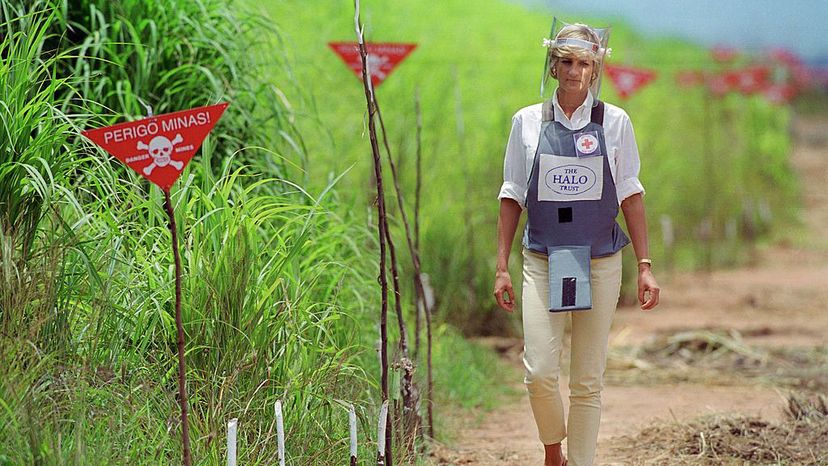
(374, 64)
(160, 149)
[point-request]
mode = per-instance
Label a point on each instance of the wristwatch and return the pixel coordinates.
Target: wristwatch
(645, 261)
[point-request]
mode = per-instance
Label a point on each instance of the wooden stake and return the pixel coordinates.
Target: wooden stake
(182, 372)
(418, 186)
(706, 227)
(372, 132)
(468, 219)
(418, 284)
(668, 239)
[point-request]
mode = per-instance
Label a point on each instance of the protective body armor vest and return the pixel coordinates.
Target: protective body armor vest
(571, 199)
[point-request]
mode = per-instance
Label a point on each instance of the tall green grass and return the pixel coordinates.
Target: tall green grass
(274, 282)
(33, 164)
(280, 297)
(264, 320)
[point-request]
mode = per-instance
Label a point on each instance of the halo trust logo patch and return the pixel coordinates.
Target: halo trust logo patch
(586, 144)
(571, 179)
(568, 178)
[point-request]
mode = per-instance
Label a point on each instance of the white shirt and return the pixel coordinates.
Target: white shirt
(622, 151)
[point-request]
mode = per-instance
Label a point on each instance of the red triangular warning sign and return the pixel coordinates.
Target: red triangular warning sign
(780, 93)
(752, 79)
(689, 78)
(159, 147)
(719, 84)
(382, 58)
(628, 80)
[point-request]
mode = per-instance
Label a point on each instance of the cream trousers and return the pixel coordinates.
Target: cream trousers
(543, 333)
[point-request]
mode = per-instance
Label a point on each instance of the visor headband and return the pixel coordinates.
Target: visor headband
(579, 43)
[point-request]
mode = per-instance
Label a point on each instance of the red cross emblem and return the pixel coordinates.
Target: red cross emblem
(587, 143)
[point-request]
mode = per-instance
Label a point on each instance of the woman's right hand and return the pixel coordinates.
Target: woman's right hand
(507, 222)
(503, 289)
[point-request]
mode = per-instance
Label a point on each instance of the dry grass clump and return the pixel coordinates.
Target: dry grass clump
(801, 369)
(708, 348)
(700, 356)
(721, 357)
(801, 439)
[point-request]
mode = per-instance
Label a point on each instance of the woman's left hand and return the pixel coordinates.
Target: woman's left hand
(648, 289)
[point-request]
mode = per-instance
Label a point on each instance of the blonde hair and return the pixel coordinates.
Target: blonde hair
(575, 31)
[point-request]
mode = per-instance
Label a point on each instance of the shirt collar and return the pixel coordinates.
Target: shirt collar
(580, 113)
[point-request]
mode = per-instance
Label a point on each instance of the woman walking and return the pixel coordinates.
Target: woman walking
(570, 162)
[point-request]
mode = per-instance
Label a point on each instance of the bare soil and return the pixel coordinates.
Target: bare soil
(779, 305)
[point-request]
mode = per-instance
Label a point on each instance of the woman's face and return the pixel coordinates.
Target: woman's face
(574, 74)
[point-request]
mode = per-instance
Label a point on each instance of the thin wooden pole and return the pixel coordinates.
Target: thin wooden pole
(375, 151)
(415, 258)
(408, 389)
(468, 219)
(417, 189)
(395, 276)
(182, 371)
(706, 228)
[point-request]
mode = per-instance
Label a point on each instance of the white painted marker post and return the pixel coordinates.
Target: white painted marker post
(352, 422)
(383, 418)
(280, 433)
(231, 441)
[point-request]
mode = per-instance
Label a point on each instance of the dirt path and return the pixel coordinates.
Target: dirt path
(782, 301)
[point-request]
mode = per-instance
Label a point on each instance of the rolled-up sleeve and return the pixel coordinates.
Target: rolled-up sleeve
(514, 165)
(627, 164)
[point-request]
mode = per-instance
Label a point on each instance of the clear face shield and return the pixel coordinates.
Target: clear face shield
(566, 39)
